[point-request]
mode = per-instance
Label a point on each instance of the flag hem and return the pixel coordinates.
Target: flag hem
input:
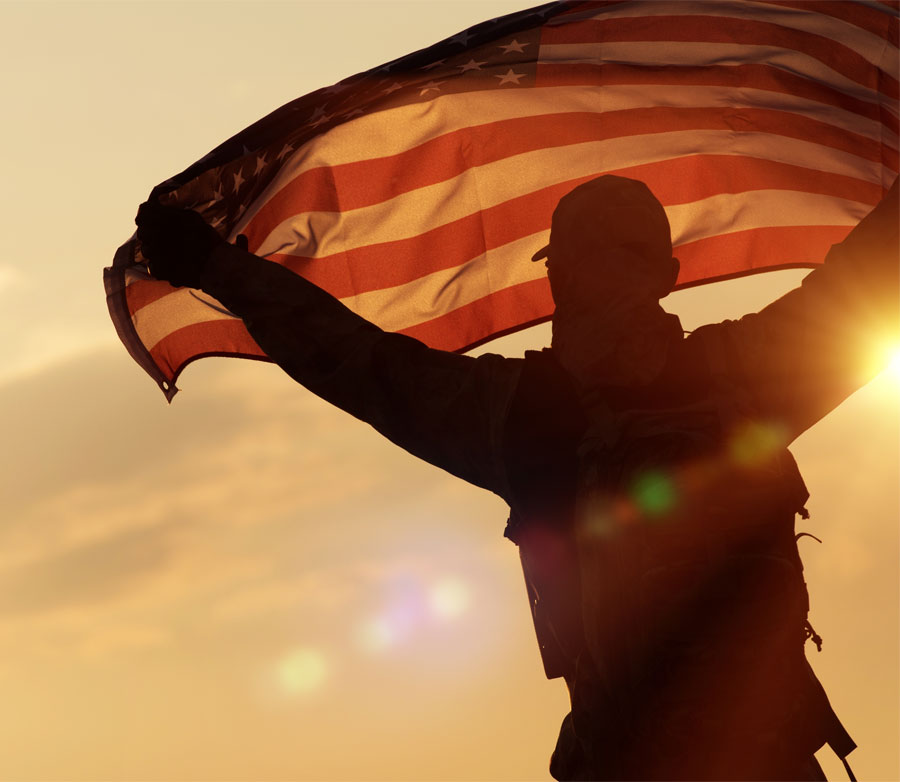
(114, 284)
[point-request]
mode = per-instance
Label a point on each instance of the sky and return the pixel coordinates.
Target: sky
(248, 584)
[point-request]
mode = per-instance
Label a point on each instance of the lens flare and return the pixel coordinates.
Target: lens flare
(449, 598)
(302, 671)
(755, 442)
(375, 635)
(653, 493)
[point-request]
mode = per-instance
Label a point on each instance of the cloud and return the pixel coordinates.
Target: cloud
(119, 508)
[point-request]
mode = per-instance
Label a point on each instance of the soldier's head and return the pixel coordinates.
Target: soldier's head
(609, 262)
(605, 234)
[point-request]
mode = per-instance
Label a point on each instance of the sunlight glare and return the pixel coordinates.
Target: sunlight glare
(893, 367)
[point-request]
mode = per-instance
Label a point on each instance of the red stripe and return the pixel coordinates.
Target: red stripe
(363, 183)
(718, 256)
(761, 77)
(531, 302)
(723, 29)
(494, 314)
(215, 337)
(676, 181)
(866, 18)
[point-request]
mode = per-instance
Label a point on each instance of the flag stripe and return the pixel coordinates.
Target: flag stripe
(781, 246)
(529, 302)
(870, 19)
(198, 340)
(640, 54)
(736, 77)
(680, 20)
(364, 183)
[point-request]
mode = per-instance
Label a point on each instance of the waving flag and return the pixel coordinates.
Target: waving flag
(416, 192)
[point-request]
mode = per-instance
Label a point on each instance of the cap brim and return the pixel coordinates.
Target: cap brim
(544, 252)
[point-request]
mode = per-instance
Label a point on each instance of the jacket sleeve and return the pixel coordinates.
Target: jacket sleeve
(801, 356)
(445, 408)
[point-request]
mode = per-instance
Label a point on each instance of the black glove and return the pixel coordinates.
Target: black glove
(176, 242)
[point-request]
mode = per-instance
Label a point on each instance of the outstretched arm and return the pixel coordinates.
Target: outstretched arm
(801, 356)
(445, 408)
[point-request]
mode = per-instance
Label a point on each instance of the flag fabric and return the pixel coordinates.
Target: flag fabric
(416, 192)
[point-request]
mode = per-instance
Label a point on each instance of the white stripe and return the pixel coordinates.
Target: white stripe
(868, 45)
(174, 311)
(448, 289)
(444, 291)
(730, 212)
(652, 53)
(314, 234)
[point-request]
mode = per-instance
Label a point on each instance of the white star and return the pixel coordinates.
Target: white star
(462, 38)
(471, 65)
(217, 195)
(432, 85)
(238, 181)
(245, 150)
(513, 46)
(260, 164)
(285, 150)
(217, 222)
(333, 89)
(431, 65)
(354, 113)
(393, 88)
(318, 117)
(510, 77)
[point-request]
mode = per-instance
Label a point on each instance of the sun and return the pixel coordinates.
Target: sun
(893, 365)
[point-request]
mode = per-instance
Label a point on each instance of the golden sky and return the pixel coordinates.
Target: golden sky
(247, 584)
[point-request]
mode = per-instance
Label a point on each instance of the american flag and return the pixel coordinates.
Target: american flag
(416, 192)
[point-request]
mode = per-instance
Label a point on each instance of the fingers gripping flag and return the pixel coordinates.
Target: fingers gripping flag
(416, 192)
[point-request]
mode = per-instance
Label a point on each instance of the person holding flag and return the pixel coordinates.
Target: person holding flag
(364, 235)
(651, 491)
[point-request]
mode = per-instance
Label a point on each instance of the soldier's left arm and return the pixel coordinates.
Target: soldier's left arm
(801, 356)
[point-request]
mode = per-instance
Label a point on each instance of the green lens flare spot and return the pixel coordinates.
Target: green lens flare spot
(756, 442)
(654, 493)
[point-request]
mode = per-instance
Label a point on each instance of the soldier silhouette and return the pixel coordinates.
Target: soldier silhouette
(652, 494)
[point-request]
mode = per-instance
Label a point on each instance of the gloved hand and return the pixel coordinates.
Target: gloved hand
(176, 242)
